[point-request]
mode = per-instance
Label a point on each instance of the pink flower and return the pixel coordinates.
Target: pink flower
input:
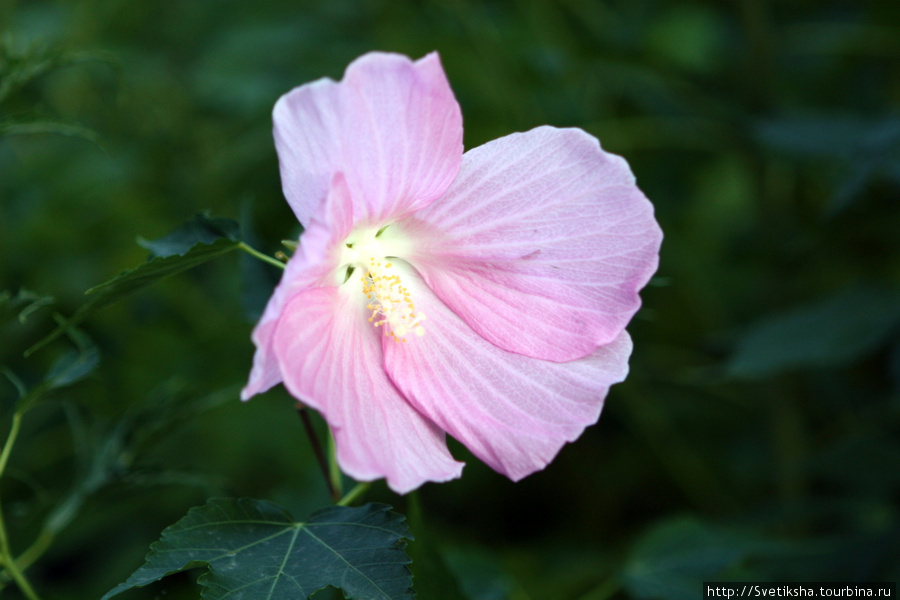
(483, 294)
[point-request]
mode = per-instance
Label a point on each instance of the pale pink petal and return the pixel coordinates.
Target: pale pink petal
(330, 358)
(541, 244)
(311, 266)
(392, 126)
(306, 125)
(265, 373)
(512, 411)
(402, 132)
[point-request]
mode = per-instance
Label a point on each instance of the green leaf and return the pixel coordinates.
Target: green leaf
(672, 559)
(198, 241)
(254, 549)
(156, 269)
(71, 367)
(832, 332)
(202, 229)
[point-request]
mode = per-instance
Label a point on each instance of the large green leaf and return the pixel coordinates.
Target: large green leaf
(194, 243)
(255, 550)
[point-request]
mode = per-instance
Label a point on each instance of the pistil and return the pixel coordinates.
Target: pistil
(391, 305)
(390, 301)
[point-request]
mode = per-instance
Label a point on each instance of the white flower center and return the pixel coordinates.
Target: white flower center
(389, 300)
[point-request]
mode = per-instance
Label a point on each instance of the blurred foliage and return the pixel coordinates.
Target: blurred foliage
(758, 435)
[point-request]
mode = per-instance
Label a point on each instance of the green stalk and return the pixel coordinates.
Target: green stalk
(6, 559)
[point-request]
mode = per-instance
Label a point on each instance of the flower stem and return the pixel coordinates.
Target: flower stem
(334, 468)
(257, 254)
(6, 559)
(353, 494)
(317, 450)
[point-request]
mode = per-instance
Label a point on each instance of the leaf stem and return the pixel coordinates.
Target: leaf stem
(353, 494)
(317, 450)
(6, 559)
(257, 254)
(10, 440)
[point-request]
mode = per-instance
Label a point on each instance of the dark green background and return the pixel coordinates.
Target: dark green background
(757, 435)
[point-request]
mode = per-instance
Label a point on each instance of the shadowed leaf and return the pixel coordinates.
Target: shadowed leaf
(672, 560)
(835, 331)
(254, 549)
(201, 229)
(71, 367)
(199, 240)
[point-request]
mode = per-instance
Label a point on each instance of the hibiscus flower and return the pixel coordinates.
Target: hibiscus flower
(484, 294)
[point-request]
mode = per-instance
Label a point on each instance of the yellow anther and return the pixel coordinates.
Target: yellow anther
(391, 303)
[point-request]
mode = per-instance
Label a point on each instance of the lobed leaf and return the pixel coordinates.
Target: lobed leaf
(253, 549)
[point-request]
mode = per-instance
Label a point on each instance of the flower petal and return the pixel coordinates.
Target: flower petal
(392, 126)
(306, 126)
(330, 358)
(541, 244)
(512, 411)
(310, 267)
